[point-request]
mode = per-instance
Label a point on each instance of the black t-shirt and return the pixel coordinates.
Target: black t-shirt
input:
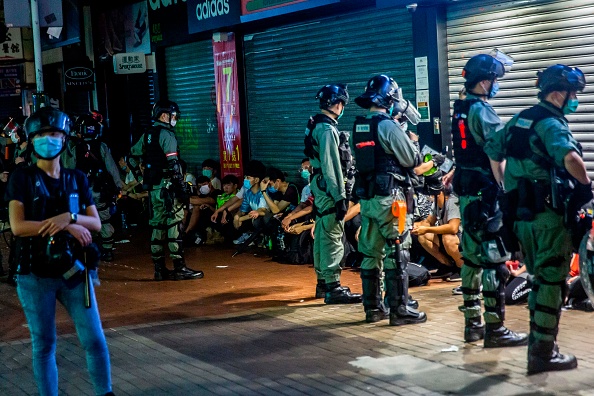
(22, 188)
(291, 196)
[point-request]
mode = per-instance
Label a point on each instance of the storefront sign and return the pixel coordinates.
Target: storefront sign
(129, 63)
(212, 14)
(12, 48)
(10, 80)
(168, 21)
(423, 104)
(79, 76)
(227, 98)
(258, 9)
(421, 73)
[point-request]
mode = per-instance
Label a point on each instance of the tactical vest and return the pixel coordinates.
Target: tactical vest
(467, 151)
(522, 134)
(344, 150)
(89, 159)
(30, 251)
(378, 171)
(154, 157)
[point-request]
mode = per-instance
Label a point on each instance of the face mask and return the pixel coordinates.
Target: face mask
(47, 147)
(173, 122)
(391, 109)
(571, 106)
(305, 174)
(341, 113)
(247, 184)
(404, 126)
(271, 189)
(14, 138)
(494, 90)
(207, 173)
(204, 189)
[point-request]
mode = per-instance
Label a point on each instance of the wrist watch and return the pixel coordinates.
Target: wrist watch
(73, 218)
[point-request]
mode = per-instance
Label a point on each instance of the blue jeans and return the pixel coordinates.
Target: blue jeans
(38, 297)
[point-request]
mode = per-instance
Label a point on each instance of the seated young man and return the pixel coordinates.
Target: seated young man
(210, 169)
(203, 207)
(439, 234)
(222, 225)
(280, 196)
(253, 204)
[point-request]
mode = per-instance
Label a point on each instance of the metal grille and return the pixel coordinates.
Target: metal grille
(286, 66)
(536, 35)
(190, 83)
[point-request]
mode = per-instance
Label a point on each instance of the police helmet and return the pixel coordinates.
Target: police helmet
(381, 91)
(433, 183)
(47, 119)
(560, 78)
(88, 127)
(165, 107)
(331, 94)
(482, 67)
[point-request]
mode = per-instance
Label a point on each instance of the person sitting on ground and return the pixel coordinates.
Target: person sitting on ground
(253, 204)
(305, 173)
(440, 233)
(222, 228)
(210, 169)
(280, 195)
(203, 207)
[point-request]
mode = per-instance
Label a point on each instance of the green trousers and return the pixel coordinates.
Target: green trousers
(478, 271)
(546, 245)
(167, 214)
(378, 225)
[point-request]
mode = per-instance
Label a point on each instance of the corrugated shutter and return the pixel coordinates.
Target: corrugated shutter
(190, 83)
(286, 66)
(536, 35)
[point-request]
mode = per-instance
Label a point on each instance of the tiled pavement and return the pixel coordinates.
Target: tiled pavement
(312, 349)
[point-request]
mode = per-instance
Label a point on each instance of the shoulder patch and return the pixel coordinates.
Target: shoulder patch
(363, 128)
(524, 123)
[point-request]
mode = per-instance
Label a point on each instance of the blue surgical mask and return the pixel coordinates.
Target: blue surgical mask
(47, 147)
(341, 114)
(494, 90)
(271, 189)
(14, 138)
(207, 173)
(305, 174)
(247, 184)
(571, 106)
(391, 109)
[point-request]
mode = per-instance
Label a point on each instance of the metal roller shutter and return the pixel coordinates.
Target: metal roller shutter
(286, 66)
(536, 35)
(190, 83)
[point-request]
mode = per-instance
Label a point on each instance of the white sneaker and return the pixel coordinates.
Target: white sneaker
(242, 238)
(198, 241)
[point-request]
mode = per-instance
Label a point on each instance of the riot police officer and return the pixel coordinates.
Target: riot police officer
(87, 153)
(539, 150)
(330, 200)
(163, 177)
(384, 155)
(482, 243)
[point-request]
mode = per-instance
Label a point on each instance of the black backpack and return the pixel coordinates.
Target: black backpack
(418, 275)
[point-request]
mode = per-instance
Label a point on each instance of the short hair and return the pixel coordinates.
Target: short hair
(202, 179)
(210, 163)
(255, 168)
(230, 179)
(304, 160)
(275, 173)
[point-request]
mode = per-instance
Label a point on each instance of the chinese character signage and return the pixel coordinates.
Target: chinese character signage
(79, 76)
(212, 14)
(10, 80)
(12, 48)
(258, 9)
(129, 63)
(225, 68)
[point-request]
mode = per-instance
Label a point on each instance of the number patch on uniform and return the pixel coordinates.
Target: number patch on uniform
(363, 128)
(524, 123)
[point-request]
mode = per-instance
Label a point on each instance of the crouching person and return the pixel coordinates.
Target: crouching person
(52, 215)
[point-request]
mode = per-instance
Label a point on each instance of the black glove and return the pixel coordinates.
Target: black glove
(438, 159)
(581, 195)
(341, 209)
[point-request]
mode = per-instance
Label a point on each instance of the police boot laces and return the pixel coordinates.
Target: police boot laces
(497, 335)
(341, 295)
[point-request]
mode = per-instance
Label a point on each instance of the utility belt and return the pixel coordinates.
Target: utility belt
(533, 197)
(383, 184)
(317, 213)
(56, 256)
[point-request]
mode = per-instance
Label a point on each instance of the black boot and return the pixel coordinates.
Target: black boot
(321, 288)
(544, 356)
(107, 255)
(336, 294)
(375, 309)
(412, 303)
(401, 313)
(499, 336)
(474, 330)
(161, 271)
(181, 272)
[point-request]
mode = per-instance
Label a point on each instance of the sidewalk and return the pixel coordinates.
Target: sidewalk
(244, 330)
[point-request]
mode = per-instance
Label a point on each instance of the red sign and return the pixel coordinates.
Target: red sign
(225, 70)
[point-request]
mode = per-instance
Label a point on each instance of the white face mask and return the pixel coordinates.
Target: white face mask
(173, 122)
(204, 189)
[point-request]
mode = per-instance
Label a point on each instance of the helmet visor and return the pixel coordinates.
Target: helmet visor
(502, 57)
(576, 79)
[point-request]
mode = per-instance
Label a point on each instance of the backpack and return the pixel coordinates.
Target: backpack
(418, 275)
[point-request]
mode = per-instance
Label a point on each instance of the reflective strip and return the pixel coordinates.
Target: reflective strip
(170, 154)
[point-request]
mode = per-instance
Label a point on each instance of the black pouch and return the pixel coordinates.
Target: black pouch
(384, 184)
(526, 208)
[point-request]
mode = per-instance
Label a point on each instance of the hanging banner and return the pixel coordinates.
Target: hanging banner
(10, 80)
(227, 97)
(258, 9)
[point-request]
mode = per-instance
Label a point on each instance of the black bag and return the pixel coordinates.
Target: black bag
(418, 275)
